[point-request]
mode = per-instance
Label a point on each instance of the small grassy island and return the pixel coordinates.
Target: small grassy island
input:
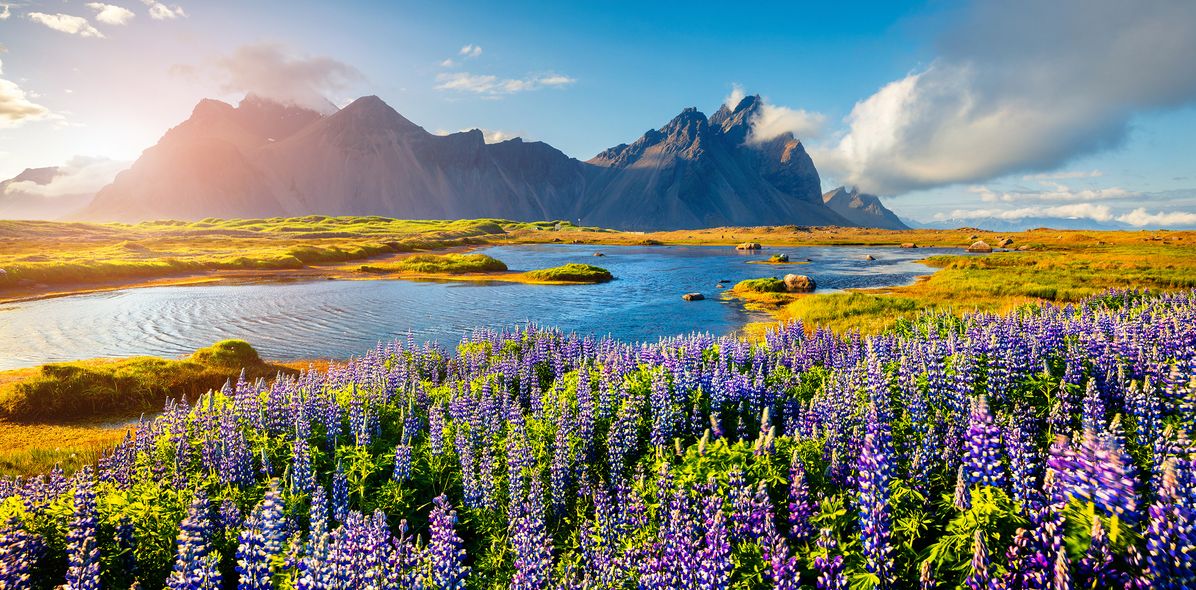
(453, 264)
(572, 273)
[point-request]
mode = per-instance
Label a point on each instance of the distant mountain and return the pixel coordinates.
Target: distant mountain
(17, 202)
(262, 158)
(862, 209)
(1024, 224)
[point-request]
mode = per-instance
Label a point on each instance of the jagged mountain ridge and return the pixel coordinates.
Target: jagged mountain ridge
(262, 158)
(862, 209)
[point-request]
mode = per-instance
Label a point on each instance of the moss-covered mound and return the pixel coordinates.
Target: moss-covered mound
(765, 285)
(572, 273)
(108, 388)
(452, 264)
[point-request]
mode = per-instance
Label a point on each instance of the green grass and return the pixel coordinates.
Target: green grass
(572, 273)
(765, 285)
(440, 264)
(113, 388)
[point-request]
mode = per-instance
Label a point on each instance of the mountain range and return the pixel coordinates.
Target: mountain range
(263, 158)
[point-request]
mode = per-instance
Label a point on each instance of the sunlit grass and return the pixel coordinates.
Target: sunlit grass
(122, 387)
(571, 273)
(440, 264)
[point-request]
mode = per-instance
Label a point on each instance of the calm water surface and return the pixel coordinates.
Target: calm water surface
(338, 319)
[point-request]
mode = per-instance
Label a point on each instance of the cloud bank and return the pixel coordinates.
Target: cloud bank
(494, 87)
(81, 175)
(1020, 85)
(269, 71)
(15, 106)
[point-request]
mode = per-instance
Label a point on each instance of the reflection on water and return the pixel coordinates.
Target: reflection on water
(337, 319)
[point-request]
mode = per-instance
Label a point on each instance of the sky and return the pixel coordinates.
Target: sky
(949, 110)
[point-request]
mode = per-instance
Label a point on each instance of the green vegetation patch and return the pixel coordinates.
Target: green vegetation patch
(572, 273)
(440, 264)
(107, 388)
(765, 285)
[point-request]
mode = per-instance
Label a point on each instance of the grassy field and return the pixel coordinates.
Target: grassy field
(41, 257)
(44, 258)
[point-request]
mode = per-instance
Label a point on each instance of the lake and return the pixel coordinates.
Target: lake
(338, 319)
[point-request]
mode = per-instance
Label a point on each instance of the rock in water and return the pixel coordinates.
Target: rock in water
(748, 246)
(869, 257)
(693, 297)
(980, 247)
(799, 283)
(599, 254)
(909, 245)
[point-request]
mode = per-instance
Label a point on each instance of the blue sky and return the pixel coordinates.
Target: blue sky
(948, 109)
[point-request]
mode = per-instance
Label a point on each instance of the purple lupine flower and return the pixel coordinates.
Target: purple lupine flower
(1097, 472)
(829, 564)
(714, 570)
(875, 474)
(978, 577)
(444, 558)
(982, 459)
(83, 552)
(302, 478)
(402, 470)
(340, 494)
(801, 507)
(197, 565)
(530, 541)
(260, 542)
(1170, 538)
(19, 550)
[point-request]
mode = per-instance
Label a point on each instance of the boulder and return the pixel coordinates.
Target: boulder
(1004, 243)
(869, 257)
(980, 246)
(748, 246)
(909, 245)
(599, 254)
(693, 297)
(779, 258)
(799, 283)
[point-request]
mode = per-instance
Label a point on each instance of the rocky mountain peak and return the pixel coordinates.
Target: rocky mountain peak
(861, 208)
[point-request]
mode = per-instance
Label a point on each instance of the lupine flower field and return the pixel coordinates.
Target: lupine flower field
(1048, 448)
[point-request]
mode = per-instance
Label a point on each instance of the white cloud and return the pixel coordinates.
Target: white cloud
(1072, 211)
(80, 175)
(269, 71)
(1054, 191)
(470, 51)
(5, 12)
(448, 63)
(160, 11)
(111, 14)
(493, 86)
(66, 23)
(1139, 217)
(15, 105)
(773, 121)
(1019, 85)
(736, 96)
